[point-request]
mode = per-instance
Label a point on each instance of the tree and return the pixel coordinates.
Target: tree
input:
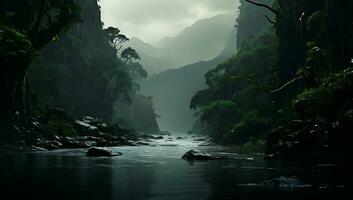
(115, 39)
(130, 54)
(137, 71)
(26, 28)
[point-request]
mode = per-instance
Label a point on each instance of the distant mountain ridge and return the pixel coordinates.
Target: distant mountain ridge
(204, 40)
(144, 47)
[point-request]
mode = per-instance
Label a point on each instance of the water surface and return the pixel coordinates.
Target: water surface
(156, 172)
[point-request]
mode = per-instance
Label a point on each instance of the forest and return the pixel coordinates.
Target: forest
(289, 86)
(60, 65)
(280, 90)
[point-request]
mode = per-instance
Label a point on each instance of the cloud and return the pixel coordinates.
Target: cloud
(152, 20)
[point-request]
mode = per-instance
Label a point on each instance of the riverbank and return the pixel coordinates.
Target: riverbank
(57, 130)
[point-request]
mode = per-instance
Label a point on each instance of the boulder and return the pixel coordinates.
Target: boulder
(101, 152)
(47, 144)
(69, 142)
(145, 136)
(197, 155)
(35, 148)
(201, 140)
(159, 138)
(85, 127)
(140, 143)
(121, 140)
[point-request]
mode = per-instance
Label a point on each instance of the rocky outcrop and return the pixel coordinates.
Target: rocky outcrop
(101, 152)
(197, 155)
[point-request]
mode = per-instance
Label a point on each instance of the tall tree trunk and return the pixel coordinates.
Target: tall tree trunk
(12, 100)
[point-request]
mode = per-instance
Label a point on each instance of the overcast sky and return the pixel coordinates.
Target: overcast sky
(152, 20)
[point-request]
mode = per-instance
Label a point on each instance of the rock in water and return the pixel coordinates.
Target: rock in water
(281, 183)
(196, 155)
(285, 182)
(101, 152)
(159, 138)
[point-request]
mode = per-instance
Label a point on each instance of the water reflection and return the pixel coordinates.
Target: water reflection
(157, 172)
(132, 180)
(46, 176)
(250, 180)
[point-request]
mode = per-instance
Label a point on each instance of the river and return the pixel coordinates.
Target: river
(157, 172)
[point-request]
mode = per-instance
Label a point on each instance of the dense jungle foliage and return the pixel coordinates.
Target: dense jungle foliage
(289, 87)
(56, 54)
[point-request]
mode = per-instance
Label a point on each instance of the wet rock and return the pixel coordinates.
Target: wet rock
(69, 142)
(285, 182)
(48, 144)
(151, 137)
(201, 140)
(141, 143)
(279, 183)
(147, 137)
(269, 156)
(205, 144)
(197, 155)
(159, 138)
(122, 140)
(34, 123)
(89, 119)
(35, 148)
(101, 152)
(168, 145)
(85, 127)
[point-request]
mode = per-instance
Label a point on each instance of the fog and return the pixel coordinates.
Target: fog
(153, 20)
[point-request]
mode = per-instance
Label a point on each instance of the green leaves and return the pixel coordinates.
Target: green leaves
(130, 54)
(14, 44)
(116, 40)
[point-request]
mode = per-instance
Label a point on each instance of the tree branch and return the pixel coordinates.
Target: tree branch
(263, 5)
(41, 13)
(270, 20)
(265, 89)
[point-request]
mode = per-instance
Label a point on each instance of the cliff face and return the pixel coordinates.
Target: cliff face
(81, 73)
(251, 20)
(69, 71)
(139, 114)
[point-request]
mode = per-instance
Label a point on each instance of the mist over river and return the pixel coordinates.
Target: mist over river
(158, 172)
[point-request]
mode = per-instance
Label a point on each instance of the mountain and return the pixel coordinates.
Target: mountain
(152, 59)
(173, 89)
(143, 47)
(204, 40)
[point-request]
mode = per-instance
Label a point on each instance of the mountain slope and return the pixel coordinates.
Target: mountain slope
(203, 40)
(173, 89)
